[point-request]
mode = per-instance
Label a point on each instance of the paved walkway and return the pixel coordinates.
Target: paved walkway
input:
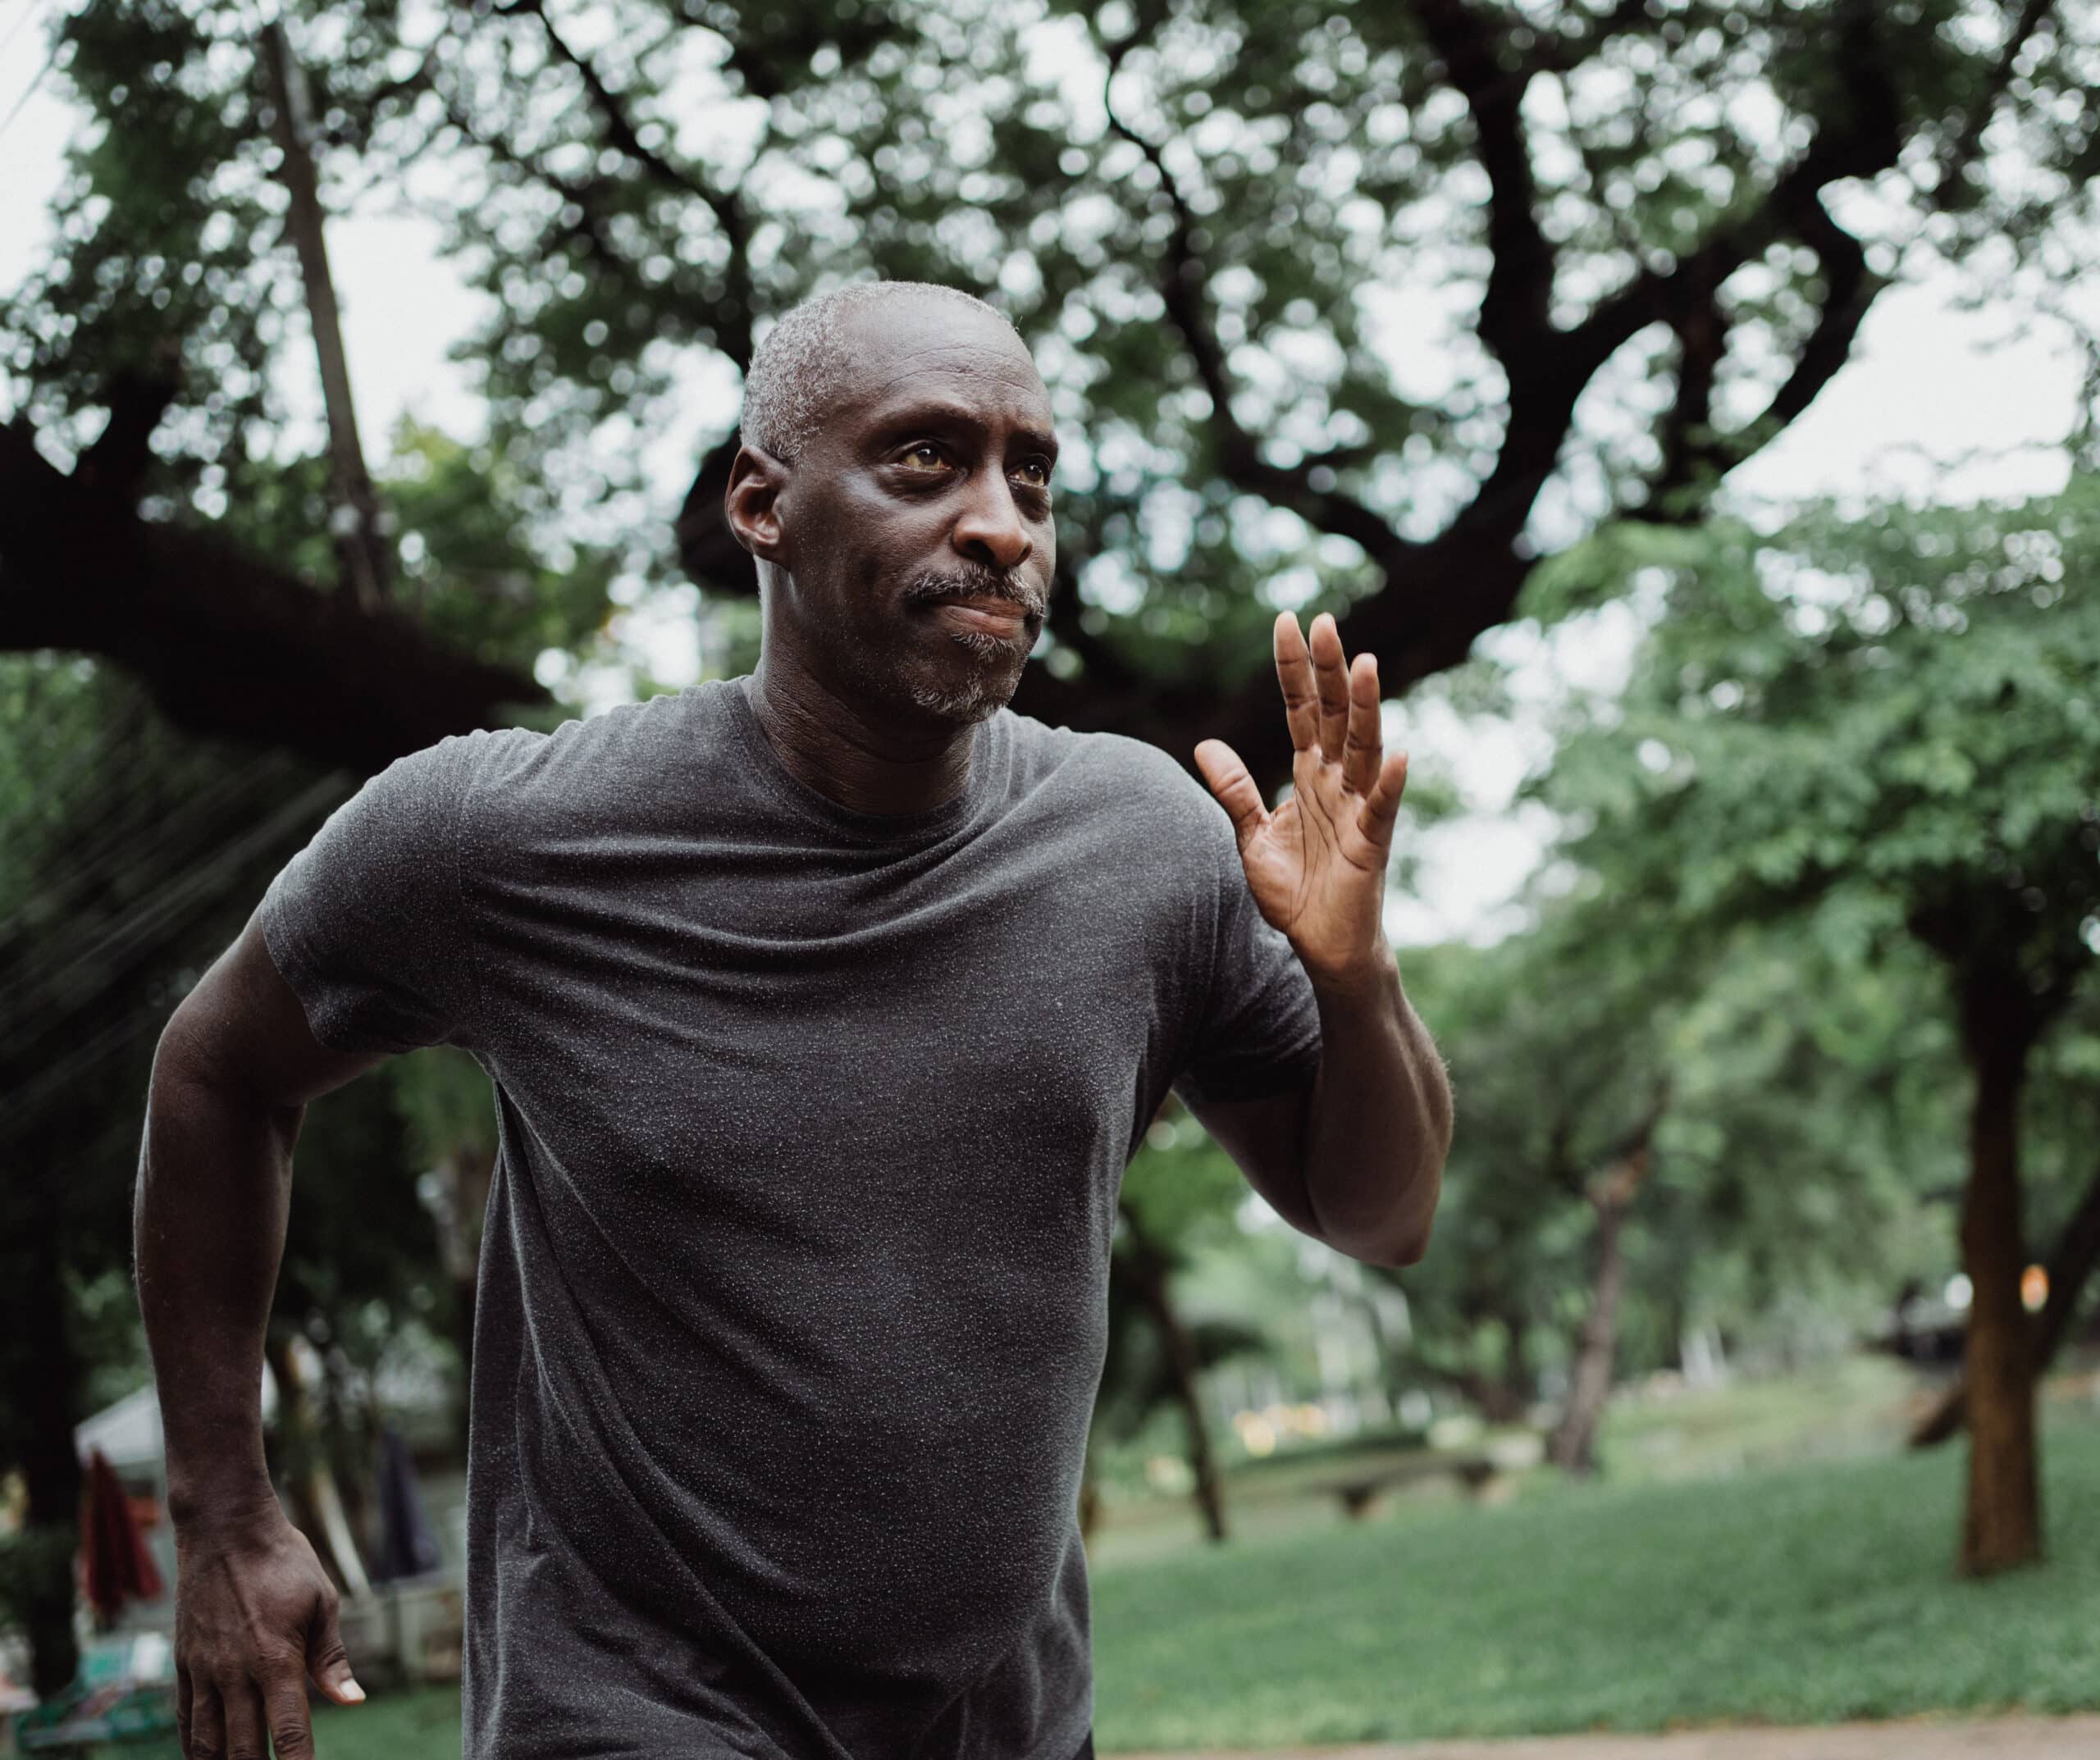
(1998, 1738)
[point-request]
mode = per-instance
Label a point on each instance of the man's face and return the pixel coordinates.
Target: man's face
(916, 526)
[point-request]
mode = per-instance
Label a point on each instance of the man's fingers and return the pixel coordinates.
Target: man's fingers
(327, 1661)
(182, 1709)
(245, 1739)
(1301, 705)
(1366, 738)
(1234, 787)
(1331, 680)
(291, 1722)
(208, 1723)
(1381, 803)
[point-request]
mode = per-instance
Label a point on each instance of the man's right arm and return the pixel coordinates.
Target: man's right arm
(255, 1612)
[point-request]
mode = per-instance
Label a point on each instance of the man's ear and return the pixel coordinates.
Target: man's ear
(751, 503)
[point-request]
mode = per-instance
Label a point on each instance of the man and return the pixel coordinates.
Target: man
(824, 1009)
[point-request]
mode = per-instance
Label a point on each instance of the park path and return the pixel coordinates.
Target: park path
(1998, 1737)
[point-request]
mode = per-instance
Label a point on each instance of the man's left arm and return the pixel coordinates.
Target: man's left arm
(1357, 1159)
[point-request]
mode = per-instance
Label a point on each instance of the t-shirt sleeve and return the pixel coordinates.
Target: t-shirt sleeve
(1259, 1031)
(367, 922)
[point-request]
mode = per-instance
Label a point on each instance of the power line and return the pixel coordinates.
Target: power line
(29, 91)
(195, 885)
(104, 940)
(30, 11)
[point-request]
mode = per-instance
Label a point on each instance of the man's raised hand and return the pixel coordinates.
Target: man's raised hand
(1317, 865)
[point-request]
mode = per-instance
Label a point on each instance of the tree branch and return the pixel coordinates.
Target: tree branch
(227, 645)
(1439, 595)
(733, 321)
(1694, 457)
(1849, 289)
(1515, 311)
(588, 229)
(1962, 150)
(1702, 336)
(1864, 139)
(115, 465)
(1183, 277)
(1553, 53)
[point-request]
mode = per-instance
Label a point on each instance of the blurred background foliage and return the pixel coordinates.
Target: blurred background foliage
(1438, 315)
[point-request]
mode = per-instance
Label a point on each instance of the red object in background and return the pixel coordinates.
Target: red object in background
(115, 1564)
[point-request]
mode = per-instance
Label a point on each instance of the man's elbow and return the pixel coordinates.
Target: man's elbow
(1405, 1241)
(1394, 1253)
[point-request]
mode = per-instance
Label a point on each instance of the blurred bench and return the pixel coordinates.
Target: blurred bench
(1363, 1492)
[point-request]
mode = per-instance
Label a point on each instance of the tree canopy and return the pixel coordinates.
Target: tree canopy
(1887, 724)
(1613, 248)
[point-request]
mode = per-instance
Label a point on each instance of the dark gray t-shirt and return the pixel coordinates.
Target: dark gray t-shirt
(792, 1299)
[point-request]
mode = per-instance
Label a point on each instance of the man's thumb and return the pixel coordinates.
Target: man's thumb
(329, 1663)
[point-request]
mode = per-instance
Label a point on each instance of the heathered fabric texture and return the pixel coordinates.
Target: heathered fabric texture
(792, 1297)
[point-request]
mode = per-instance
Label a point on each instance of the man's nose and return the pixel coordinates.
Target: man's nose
(989, 528)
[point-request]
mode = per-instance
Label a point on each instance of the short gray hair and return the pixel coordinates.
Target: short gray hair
(794, 372)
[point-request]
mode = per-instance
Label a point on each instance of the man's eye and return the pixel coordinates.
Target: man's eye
(923, 457)
(1035, 473)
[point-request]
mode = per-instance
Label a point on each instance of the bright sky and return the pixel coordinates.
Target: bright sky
(1955, 404)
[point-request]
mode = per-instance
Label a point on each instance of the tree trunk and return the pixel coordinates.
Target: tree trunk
(1573, 1446)
(363, 549)
(1151, 1267)
(1518, 1388)
(51, 1469)
(2001, 1527)
(2070, 1266)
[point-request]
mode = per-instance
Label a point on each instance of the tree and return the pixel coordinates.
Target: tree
(1203, 217)
(1554, 1043)
(1179, 1190)
(1658, 1136)
(1887, 718)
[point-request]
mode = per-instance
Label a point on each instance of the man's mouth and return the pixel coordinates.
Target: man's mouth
(990, 617)
(988, 607)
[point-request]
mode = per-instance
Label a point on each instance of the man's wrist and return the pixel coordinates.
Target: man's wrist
(212, 1501)
(1371, 977)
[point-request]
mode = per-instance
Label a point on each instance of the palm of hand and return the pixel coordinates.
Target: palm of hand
(1315, 866)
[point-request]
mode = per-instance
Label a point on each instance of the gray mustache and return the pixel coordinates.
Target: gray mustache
(964, 583)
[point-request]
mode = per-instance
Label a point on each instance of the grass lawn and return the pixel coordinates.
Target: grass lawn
(1798, 1594)
(418, 1725)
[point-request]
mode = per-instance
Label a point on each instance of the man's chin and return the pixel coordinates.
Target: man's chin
(979, 694)
(966, 705)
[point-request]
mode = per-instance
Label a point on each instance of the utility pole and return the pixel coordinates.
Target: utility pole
(356, 520)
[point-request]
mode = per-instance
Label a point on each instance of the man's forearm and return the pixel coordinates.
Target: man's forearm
(1379, 1122)
(214, 1186)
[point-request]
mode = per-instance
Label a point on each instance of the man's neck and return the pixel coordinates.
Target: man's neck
(865, 763)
